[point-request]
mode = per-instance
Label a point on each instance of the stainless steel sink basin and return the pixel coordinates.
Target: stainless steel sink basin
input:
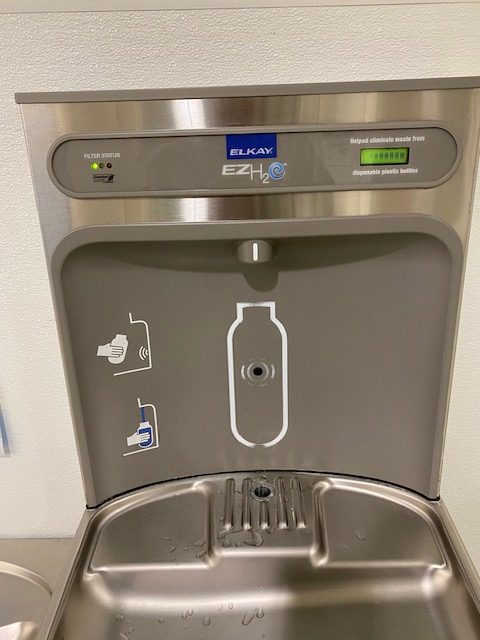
(271, 557)
(24, 597)
(28, 570)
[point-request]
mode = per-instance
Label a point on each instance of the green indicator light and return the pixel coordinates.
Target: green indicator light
(94, 166)
(372, 156)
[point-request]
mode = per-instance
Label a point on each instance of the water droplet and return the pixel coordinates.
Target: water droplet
(184, 615)
(361, 535)
(119, 618)
(201, 554)
(174, 548)
(127, 628)
(167, 538)
(260, 613)
(230, 605)
(248, 617)
(199, 543)
(186, 548)
(190, 612)
(161, 620)
(255, 540)
(206, 621)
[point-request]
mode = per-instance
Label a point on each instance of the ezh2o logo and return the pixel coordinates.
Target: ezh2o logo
(248, 146)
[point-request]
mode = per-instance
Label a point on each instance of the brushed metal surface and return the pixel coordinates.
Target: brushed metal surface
(283, 555)
(29, 569)
(319, 159)
(456, 109)
(196, 558)
(181, 93)
(459, 109)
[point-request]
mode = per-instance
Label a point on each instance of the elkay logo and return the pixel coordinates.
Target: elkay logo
(246, 146)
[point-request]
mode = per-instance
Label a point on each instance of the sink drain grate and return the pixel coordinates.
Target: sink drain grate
(265, 505)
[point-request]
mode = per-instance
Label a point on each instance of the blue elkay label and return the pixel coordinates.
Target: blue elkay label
(241, 146)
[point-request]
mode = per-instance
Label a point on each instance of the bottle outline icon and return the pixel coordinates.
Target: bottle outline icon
(241, 306)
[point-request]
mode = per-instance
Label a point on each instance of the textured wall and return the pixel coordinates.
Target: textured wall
(41, 485)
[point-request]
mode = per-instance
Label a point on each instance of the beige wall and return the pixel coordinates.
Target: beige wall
(40, 482)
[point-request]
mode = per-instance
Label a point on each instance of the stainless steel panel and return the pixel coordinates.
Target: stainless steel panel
(298, 161)
(177, 93)
(458, 109)
(278, 555)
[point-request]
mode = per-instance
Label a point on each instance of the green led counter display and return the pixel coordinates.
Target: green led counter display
(372, 156)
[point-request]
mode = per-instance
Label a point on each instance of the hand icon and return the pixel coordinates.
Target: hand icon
(115, 351)
(143, 436)
(137, 438)
(110, 351)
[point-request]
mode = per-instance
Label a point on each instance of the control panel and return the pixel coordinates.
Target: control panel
(205, 163)
(258, 278)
